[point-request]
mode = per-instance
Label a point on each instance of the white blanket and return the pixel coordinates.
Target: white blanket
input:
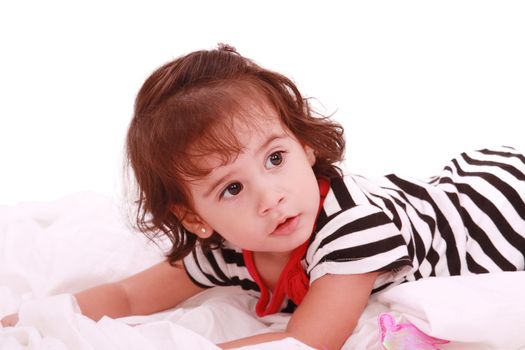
(50, 250)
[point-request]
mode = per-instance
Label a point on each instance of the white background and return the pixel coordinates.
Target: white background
(413, 82)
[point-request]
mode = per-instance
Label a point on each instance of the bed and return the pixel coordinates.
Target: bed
(50, 250)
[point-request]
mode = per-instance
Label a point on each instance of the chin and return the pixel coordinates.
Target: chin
(297, 242)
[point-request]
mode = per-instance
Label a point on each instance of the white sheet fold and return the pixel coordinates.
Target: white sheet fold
(487, 310)
(61, 247)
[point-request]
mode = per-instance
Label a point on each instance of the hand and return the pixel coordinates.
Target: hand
(9, 320)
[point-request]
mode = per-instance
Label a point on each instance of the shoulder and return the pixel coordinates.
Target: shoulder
(344, 193)
(354, 235)
(220, 266)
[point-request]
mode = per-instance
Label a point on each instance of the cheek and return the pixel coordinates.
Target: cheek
(223, 219)
(310, 155)
(206, 211)
(310, 183)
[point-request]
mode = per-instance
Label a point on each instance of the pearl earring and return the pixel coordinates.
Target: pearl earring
(203, 230)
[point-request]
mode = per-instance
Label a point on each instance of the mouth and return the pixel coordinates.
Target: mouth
(286, 227)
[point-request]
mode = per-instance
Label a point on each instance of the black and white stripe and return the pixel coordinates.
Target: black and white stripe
(469, 219)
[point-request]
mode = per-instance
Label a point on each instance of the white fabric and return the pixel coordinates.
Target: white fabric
(50, 250)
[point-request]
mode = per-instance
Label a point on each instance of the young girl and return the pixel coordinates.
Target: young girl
(237, 171)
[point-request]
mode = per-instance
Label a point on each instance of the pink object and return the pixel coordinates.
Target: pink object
(405, 336)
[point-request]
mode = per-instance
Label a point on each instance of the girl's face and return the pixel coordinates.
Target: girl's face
(266, 199)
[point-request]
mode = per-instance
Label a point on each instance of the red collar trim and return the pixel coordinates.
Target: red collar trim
(293, 281)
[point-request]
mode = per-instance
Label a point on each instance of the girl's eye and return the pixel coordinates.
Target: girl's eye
(275, 159)
(232, 190)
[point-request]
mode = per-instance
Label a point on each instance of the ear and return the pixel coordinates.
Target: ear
(192, 221)
(310, 154)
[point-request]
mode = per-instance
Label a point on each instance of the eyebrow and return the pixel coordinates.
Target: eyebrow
(223, 178)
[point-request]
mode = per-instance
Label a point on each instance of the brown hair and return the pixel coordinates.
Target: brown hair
(183, 111)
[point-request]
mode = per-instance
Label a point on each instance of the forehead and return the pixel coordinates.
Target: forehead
(223, 141)
(257, 122)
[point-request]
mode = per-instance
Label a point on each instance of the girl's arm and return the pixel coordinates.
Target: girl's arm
(158, 288)
(328, 314)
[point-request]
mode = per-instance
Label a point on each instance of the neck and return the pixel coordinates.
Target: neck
(275, 256)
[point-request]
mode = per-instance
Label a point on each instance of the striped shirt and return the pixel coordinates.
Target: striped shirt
(469, 219)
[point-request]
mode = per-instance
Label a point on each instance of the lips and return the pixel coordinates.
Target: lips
(286, 227)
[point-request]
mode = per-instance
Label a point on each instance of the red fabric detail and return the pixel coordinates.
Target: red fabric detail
(297, 282)
(265, 295)
(293, 281)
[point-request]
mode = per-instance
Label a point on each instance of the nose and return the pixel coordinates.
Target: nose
(269, 199)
